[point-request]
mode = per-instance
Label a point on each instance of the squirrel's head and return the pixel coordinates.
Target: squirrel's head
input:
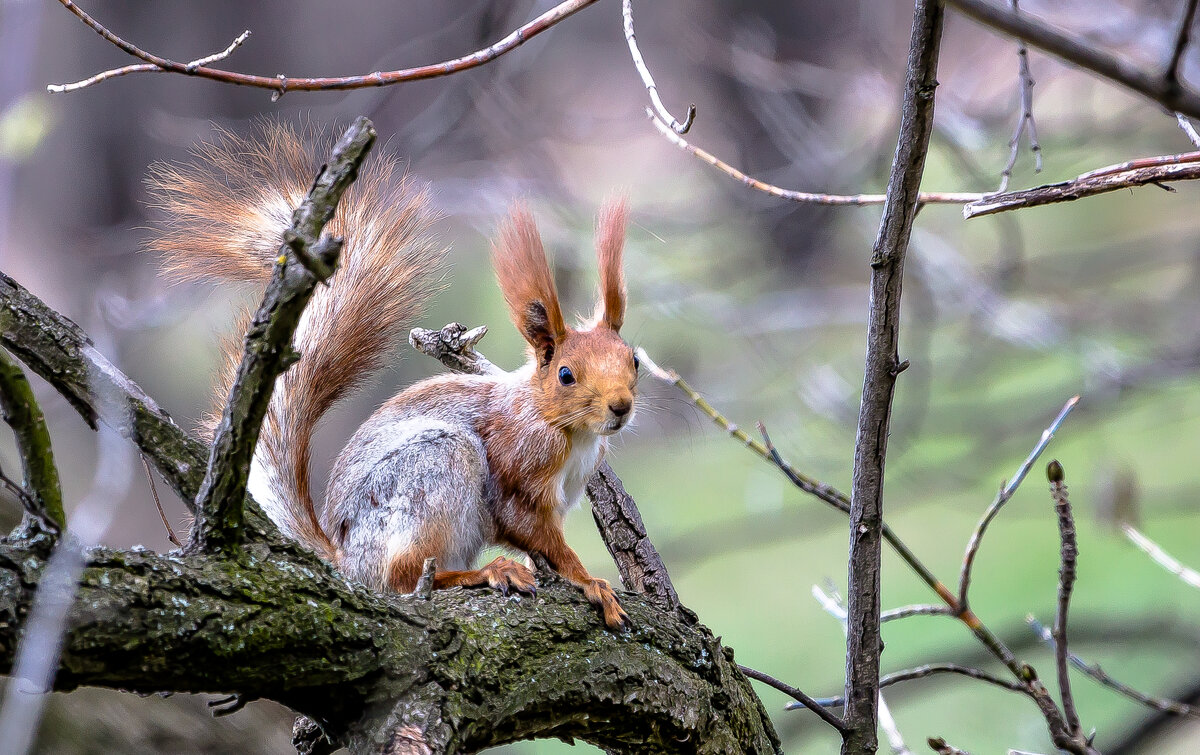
(585, 378)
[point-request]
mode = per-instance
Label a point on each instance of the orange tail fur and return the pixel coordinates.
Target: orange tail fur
(225, 215)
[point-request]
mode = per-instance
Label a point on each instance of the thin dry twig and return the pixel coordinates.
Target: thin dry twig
(1161, 557)
(1066, 582)
(918, 610)
(923, 672)
(1154, 85)
(648, 80)
(1021, 671)
(840, 501)
(1155, 171)
(799, 196)
(1002, 497)
(1098, 674)
(1188, 129)
(158, 504)
(802, 700)
(113, 73)
(1025, 119)
(281, 84)
(1130, 174)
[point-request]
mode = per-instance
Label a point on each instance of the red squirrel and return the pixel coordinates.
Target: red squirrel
(453, 463)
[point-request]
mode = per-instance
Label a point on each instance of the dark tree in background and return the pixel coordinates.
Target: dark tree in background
(855, 184)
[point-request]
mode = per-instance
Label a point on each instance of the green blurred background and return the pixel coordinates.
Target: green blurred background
(760, 304)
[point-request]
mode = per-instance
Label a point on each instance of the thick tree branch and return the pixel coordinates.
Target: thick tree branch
(1159, 87)
(268, 350)
(42, 491)
(286, 628)
(863, 646)
(61, 353)
(280, 624)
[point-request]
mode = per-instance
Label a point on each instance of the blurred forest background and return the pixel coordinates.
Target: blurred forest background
(758, 302)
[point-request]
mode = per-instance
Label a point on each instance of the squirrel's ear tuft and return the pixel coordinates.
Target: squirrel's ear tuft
(610, 240)
(527, 284)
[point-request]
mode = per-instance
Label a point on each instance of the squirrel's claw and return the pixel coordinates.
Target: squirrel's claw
(600, 593)
(504, 574)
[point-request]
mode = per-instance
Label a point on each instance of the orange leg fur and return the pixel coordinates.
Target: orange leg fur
(501, 574)
(551, 543)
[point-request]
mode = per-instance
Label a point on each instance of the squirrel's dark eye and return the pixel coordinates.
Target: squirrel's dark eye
(565, 376)
(637, 363)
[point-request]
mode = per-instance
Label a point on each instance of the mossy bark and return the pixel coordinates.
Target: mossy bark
(464, 670)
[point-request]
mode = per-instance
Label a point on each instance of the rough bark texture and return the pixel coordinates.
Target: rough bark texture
(467, 669)
(459, 672)
(863, 646)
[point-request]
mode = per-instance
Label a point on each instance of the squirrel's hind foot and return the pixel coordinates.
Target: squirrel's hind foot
(504, 573)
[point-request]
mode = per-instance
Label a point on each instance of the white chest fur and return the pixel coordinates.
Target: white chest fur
(586, 451)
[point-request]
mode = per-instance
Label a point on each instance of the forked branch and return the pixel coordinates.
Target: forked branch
(268, 351)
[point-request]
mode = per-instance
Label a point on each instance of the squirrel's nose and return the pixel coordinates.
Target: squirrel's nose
(620, 407)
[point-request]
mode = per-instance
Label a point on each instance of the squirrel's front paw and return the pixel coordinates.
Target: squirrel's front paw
(504, 573)
(600, 593)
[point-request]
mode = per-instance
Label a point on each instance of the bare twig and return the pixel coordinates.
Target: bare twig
(1148, 171)
(648, 80)
(1100, 675)
(802, 700)
(1161, 557)
(838, 500)
(1188, 129)
(1130, 174)
(803, 197)
(919, 610)
(158, 504)
(1025, 119)
(281, 84)
(1156, 161)
(1182, 34)
(1150, 84)
(43, 492)
(826, 493)
(268, 350)
(1066, 582)
(1002, 497)
(765, 451)
(925, 671)
(146, 68)
(863, 644)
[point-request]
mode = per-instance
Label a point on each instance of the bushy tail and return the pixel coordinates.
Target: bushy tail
(225, 216)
